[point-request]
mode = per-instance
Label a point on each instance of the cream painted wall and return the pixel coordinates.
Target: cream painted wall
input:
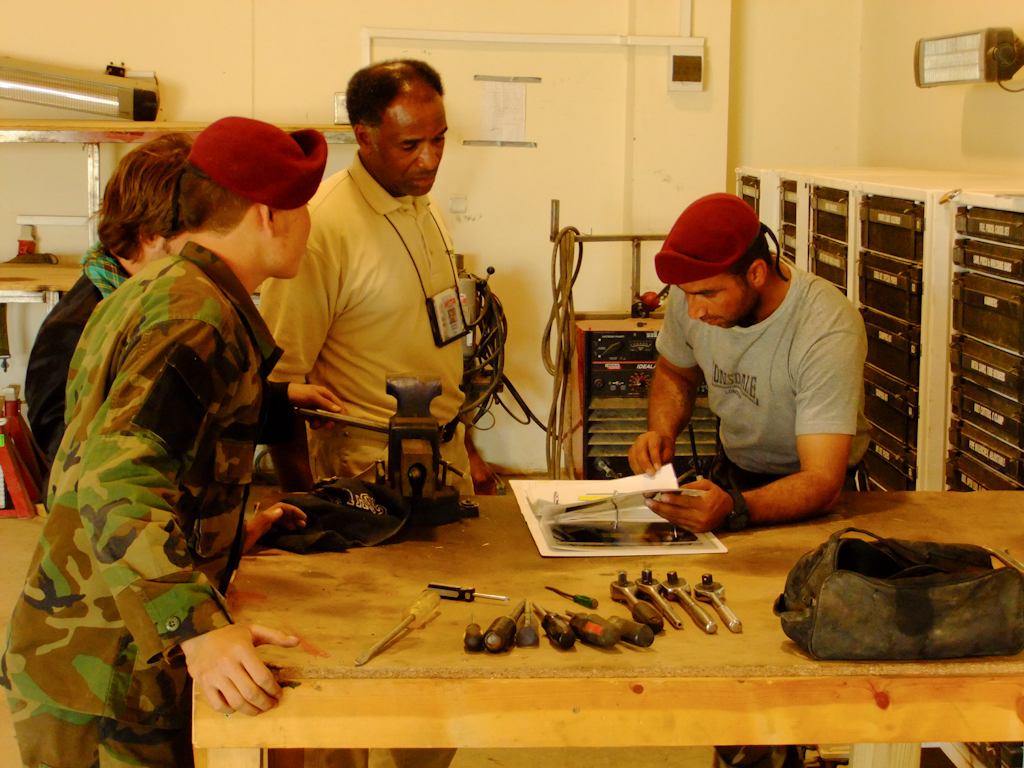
(795, 83)
(974, 128)
(620, 152)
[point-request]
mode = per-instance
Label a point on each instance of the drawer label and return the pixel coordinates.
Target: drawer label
(970, 482)
(885, 277)
(890, 218)
(882, 395)
(992, 301)
(988, 370)
(882, 452)
(987, 261)
(831, 260)
(989, 414)
(1001, 230)
(982, 450)
(886, 337)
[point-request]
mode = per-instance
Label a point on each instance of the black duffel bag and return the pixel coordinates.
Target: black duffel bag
(890, 599)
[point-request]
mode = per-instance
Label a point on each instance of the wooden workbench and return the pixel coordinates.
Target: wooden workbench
(688, 688)
(39, 277)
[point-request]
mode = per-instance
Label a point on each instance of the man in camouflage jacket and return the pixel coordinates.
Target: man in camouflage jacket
(124, 602)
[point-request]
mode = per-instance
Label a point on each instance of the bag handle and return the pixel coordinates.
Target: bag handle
(839, 534)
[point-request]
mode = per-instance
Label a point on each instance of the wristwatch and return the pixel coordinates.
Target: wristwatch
(739, 518)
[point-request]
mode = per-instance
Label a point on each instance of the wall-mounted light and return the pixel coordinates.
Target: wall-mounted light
(107, 95)
(986, 56)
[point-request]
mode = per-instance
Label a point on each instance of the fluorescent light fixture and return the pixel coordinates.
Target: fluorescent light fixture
(985, 56)
(82, 91)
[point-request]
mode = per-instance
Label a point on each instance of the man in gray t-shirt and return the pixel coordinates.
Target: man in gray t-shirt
(782, 352)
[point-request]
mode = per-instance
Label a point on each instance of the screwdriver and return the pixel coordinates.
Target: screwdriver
(633, 632)
(474, 638)
(466, 594)
(594, 630)
(527, 637)
(415, 615)
(587, 602)
(502, 631)
(555, 627)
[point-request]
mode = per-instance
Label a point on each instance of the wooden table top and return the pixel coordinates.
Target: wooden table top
(757, 687)
(38, 277)
(341, 603)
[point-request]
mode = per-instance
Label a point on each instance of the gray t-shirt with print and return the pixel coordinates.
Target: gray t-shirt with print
(798, 372)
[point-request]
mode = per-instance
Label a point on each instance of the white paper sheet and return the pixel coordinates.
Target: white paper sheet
(605, 518)
(503, 111)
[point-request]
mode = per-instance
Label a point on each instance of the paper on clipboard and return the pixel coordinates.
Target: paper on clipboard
(606, 518)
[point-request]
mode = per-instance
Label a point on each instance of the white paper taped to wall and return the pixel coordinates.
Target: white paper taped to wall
(503, 111)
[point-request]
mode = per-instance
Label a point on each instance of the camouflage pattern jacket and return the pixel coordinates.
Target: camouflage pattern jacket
(146, 495)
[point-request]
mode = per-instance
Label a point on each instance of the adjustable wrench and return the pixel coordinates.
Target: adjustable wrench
(625, 591)
(677, 589)
(710, 591)
(652, 589)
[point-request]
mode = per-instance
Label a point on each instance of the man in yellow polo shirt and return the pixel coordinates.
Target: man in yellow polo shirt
(378, 251)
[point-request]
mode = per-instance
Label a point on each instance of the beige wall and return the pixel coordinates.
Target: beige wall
(795, 83)
(974, 128)
(620, 152)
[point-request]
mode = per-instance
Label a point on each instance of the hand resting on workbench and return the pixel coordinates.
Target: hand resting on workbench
(340, 513)
(224, 664)
(284, 517)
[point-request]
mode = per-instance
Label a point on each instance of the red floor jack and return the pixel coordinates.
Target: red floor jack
(21, 461)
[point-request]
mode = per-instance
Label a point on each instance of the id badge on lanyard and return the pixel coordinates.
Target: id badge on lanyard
(446, 320)
(444, 308)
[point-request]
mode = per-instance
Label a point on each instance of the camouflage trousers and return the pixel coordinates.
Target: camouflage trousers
(58, 738)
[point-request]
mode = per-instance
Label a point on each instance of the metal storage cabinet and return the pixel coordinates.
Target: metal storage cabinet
(986, 431)
(899, 261)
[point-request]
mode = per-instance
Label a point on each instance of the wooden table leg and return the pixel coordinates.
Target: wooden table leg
(885, 756)
(230, 758)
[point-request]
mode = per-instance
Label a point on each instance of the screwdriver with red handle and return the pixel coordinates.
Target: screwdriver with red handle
(594, 630)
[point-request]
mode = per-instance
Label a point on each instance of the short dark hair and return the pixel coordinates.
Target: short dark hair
(756, 250)
(208, 207)
(139, 196)
(372, 89)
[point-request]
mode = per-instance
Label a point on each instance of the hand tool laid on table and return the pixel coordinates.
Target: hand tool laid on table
(526, 636)
(556, 628)
(466, 594)
(415, 616)
(710, 591)
(633, 632)
(625, 591)
(675, 588)
(594, 630)
(474, 638)
(502, 632)
(650, 589)
(586, 602)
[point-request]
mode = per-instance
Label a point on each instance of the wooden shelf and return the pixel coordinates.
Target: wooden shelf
(126, 132)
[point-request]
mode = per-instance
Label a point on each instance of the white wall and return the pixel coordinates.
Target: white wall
(620, 152)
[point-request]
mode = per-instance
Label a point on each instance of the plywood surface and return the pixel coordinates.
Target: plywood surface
(689, 688)
(341, 603)
(38, 277)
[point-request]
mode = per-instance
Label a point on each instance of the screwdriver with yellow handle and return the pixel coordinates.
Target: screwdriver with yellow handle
(415, 616)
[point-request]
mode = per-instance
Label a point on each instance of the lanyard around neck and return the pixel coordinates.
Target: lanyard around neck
(426, 247)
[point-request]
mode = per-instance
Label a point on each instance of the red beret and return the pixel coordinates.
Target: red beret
(709, 236)
(260, 162)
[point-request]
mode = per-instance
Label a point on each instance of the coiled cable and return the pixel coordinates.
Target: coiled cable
(560, 332)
